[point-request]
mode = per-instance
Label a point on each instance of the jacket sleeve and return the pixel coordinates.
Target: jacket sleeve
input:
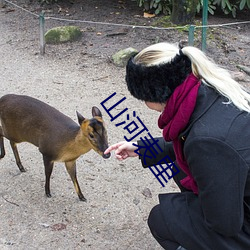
(148, 159)
(220, 173)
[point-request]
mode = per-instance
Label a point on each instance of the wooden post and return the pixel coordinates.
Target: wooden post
(191, 35)
(42, 31)
(204, 23)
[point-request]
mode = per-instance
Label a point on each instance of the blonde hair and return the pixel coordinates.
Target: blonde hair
(202, 67)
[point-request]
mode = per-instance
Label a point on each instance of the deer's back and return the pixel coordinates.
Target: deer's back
(24, 118)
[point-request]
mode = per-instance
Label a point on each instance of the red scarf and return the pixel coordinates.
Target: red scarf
(174, 119)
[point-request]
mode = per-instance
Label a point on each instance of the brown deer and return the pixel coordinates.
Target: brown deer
(59, 138)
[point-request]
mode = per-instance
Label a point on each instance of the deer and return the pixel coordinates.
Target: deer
(58, 138)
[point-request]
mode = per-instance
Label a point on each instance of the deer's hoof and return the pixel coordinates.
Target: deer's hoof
(82, 198)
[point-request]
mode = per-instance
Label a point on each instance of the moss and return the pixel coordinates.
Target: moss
(63, 34)
(163, 22)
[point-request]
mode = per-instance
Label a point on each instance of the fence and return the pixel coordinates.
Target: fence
(191, 28)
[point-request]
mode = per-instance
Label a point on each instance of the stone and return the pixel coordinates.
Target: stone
(239, 76)
(121, 58)
(147, 193)
(2, 3)
(63, 34)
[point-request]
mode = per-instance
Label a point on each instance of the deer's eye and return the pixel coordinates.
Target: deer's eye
(91, 136)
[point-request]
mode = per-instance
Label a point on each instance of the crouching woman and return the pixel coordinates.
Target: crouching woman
(205, 122)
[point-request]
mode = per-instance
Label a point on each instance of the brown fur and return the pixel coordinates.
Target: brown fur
(59, 138)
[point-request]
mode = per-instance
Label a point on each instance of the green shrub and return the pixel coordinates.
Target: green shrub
(165, 6)
(211, 7)
(232, 6)
(157, 6)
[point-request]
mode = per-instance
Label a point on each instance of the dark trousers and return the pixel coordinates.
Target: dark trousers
(160, 231)
(157, 225)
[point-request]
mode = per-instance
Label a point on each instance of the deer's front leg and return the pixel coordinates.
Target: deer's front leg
(71, 168)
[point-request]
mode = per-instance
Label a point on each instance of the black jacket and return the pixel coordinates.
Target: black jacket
(216, 145)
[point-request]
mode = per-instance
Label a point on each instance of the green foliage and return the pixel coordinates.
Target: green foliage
(165, 6)
(226, 6)
(211, 7)
(157, 6)
(244, 4)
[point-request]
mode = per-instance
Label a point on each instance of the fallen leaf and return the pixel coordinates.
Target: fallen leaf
(147, 193)
(147, 15)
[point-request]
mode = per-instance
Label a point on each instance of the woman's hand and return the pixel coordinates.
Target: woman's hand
(123, 150)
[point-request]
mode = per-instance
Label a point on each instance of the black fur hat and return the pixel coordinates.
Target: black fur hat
(156, 83)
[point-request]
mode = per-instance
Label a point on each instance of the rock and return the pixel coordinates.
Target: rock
(136, 201)
(45, 225)
(239, 76)
(121, 58)
(147, 193)
(2, 3)
(62, 34)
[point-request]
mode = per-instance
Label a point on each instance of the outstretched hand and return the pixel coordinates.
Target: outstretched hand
(123, 150)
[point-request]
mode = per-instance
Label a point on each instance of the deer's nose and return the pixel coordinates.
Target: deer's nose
(106, 156)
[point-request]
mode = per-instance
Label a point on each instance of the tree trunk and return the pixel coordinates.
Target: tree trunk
(183, 11)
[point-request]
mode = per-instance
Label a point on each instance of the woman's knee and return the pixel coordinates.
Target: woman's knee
(153, 218)
(159, 229)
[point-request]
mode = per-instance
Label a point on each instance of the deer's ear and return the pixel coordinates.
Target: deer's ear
(96, 111)
(80, 118)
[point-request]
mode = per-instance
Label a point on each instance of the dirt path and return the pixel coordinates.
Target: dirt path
(75, 77)
(115, 214)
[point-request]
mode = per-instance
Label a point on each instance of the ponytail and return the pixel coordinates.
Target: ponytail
(218, 78)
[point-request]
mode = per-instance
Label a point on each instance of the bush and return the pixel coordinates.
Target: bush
(156, 6)
(165, 6)
(232, 6)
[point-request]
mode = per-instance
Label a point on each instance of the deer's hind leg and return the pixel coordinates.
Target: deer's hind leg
(71, 168)
(1, 144)
(15, 151)
(48, 164)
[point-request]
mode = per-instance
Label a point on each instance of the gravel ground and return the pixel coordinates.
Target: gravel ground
(77, 76)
